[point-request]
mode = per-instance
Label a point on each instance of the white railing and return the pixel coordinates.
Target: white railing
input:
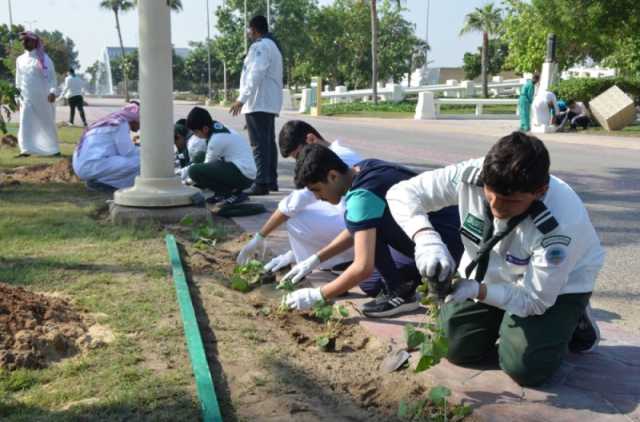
(454, 92)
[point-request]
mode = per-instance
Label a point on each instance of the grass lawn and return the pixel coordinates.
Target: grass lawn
(630, 131)
(52, 242)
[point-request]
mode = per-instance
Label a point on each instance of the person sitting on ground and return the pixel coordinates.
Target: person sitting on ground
(228, 166)
(578, 115)
(531, 257)
(106, 158)
(311, 224)
(371, 231)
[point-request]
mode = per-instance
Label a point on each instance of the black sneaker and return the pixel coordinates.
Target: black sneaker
(96, 186)
(389, 305)
(273, 187)
(258, 189)
(235, 198)
(587, 335)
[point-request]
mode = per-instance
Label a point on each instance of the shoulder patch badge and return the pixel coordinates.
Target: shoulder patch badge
(555, 240)
(555, 255)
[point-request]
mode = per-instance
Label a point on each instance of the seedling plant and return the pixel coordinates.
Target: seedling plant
(433, 408)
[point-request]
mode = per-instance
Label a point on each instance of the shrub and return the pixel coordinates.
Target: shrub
(8, 103)
(585, 89)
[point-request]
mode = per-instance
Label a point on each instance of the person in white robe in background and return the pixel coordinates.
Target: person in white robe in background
(36, 80)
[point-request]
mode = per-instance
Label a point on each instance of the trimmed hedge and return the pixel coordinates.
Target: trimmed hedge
(586, 89)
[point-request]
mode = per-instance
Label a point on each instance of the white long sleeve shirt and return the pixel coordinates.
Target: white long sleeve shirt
(300, 199)
(261, 79)
(232, 148)
(73, 86)
(554, 252)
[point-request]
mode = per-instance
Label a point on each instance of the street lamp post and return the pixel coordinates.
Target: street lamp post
(10, 15)
(208, 53)
(269, 14)
(157, 186)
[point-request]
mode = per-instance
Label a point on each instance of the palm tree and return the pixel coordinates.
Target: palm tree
(118, 6)
(487, 20)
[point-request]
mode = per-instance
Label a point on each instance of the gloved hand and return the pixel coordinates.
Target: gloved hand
(302, 299)
(184, 173)
(301, 269)
(255, 245)
(431, 254)
(463, 289)
(280, 262)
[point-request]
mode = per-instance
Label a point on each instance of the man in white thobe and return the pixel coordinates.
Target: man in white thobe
(106, 157)
(36, 80)
(543, 109)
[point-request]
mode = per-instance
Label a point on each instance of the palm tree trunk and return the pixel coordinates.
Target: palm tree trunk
(484, 63)
(374, 50)
(125, 77)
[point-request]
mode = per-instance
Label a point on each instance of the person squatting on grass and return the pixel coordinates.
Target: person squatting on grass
(530, 262)
(378, 242)
(106, 157)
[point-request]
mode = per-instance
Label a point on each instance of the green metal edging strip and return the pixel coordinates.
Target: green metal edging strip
(204, 382)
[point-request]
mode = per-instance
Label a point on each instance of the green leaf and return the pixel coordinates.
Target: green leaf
(413, 337)
(461, 411)
(322, 341)
(424, 363)
(343, 311)
(323, 311)
(438, 394)
(187, 220)
(240, 284)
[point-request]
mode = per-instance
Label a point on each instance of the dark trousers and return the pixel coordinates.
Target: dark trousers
(262, 136)
(221, 177)
(76, 102)
(531, 349)
(405, 267)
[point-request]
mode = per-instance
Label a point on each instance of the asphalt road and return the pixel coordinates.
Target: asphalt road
(604, 171)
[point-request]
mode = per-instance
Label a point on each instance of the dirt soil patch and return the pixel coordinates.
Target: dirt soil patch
(8, 141)
(61, 171)
(36, 330)
(266, 363)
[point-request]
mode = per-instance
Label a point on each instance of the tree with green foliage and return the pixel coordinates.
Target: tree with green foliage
(472, 62)
(8, 37)
(600, 30)
(487, 20)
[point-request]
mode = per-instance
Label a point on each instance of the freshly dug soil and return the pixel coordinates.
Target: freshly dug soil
(36, 330)
(61, 171)
(8, 141)
(267, 364)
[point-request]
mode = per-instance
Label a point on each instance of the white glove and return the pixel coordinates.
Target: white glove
(462, 290)
(280, 262)
(255, 245)
(301, 269)
(184, 173)
(431, 254)
(303, 299)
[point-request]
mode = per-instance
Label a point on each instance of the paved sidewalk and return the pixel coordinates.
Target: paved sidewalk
(601, 386)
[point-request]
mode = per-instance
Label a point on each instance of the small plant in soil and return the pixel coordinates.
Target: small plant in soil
(204, 236)
(430, 339)
(246, 277)
(331, 316)
(433, 408)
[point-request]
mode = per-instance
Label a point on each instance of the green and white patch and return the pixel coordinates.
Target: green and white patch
(474, 224)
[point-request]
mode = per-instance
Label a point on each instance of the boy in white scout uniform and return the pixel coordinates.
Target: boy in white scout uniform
(530, 262)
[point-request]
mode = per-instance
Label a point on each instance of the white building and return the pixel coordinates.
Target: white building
(584, 71)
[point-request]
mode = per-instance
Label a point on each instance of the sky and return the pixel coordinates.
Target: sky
(92, 28)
